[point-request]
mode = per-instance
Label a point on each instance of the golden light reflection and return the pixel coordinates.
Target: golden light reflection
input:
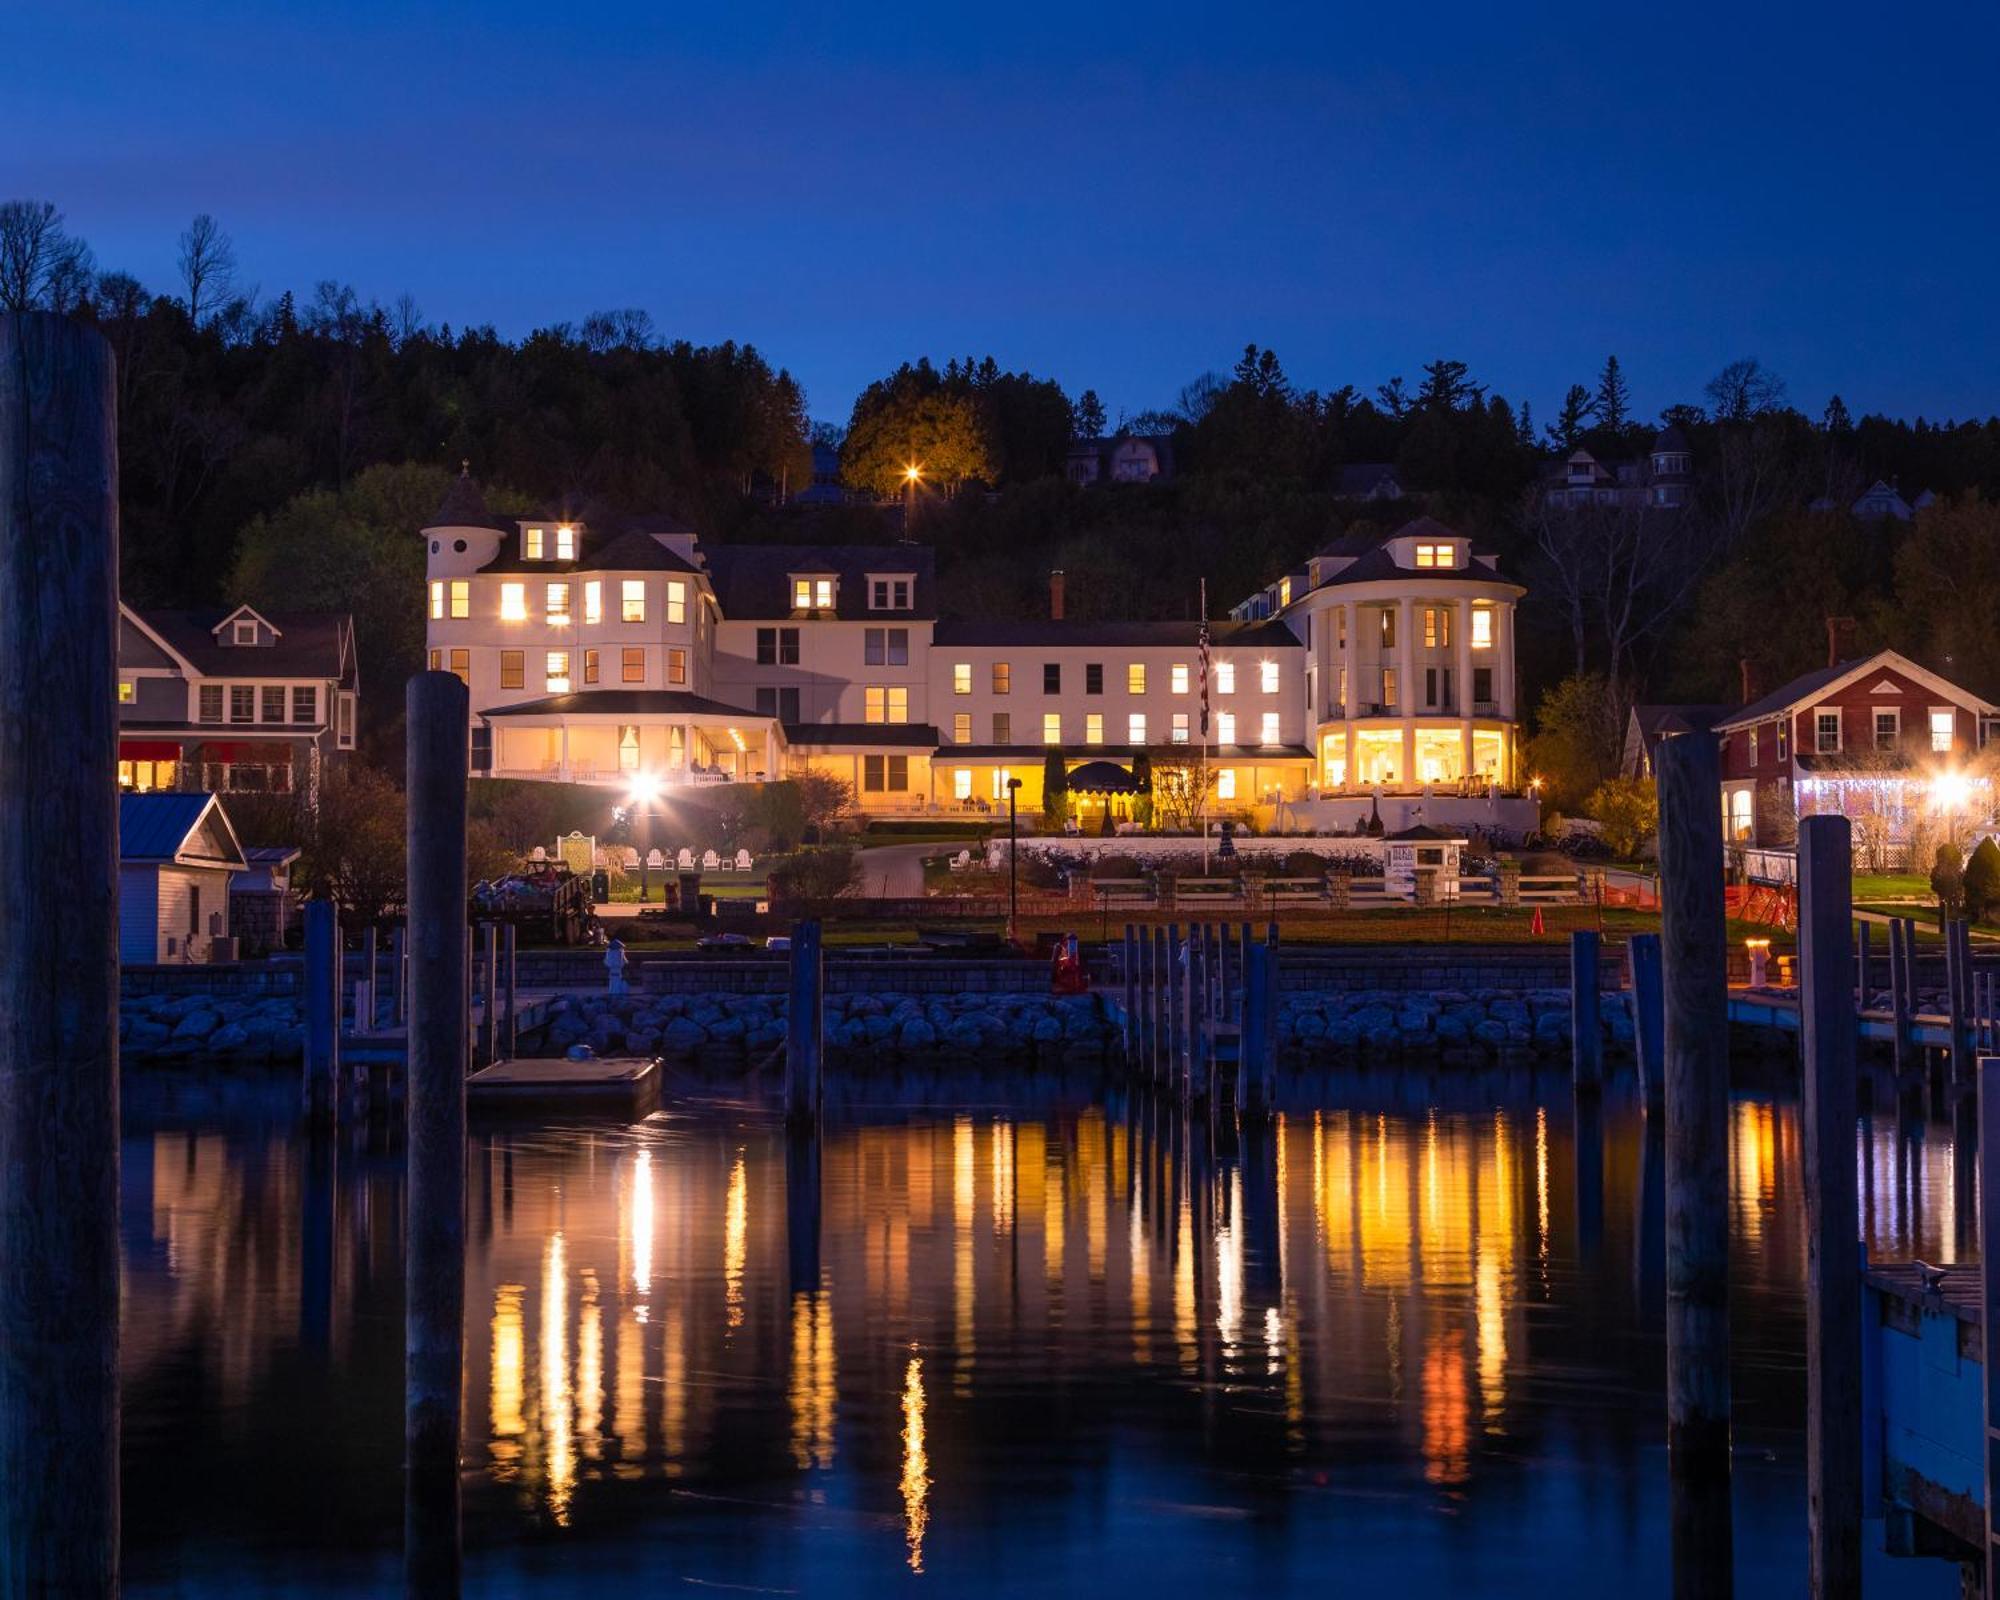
(642, 1222)
(507, 1421)
(589, 1366)
(673, 1392)
(916, 1464)
(1753, 1149)
(628, 1415)
(735, 1224)
(1186, 1335)
(1003, 1178)
(1445, 1428)
(813, 1381)
(1493, 1275)
(1052, 1217)
(1140, 1276)
(1542, 1190)
(964, 1281)
(558, 1439)
(1229, 1271)
(1090, 1154)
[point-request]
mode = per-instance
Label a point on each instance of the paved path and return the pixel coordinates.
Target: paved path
(896, 871)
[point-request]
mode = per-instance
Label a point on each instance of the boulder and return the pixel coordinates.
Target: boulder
(684, 1033)
(916, 1033)
(195, 1025)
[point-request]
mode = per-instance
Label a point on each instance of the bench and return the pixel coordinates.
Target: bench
(1208, 892)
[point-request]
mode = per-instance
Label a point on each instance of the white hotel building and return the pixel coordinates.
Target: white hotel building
(1379, 676)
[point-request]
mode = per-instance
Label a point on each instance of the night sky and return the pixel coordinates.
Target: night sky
(1119, 197)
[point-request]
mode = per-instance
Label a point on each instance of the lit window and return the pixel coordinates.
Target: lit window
(1093, 727)
(1177, 682)
(437, 661)
(890, 704)
(1180, 733)
(1135, 728)
(1942, 725)
(461, 597)
(1482, 627)
(128, 691)
(1750, 740)
(1225, 677)
(1270, 727)
(1001, 777)
(1135, 678)
(1003, 677)
(513, 669)
(812, 594)
(461, 666)
(1225, 727)
(632, 664)
(1267, 676)
(1284, 591)
(1051, 727)
(565, 544)
(437, 599)
(1388, 615)
(1436, 555)
(593, 601)
(961, 677)
(557, 672)
(677, 598)
(677, 667)
(632, 600)
(1388, 687)
(1437, 626)
(961, 727)
(961, 783)
(628, 748)
(1826, 731)
(590, 666)
(531, 543)
(513, 602)
(557, 607)
(1225, 783)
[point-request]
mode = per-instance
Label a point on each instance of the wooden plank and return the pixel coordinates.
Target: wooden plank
(437, 714)
(1833, 1224)
(1696, 985)
(59, 1254)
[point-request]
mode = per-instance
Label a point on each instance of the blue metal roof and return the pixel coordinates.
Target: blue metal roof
(158, 827)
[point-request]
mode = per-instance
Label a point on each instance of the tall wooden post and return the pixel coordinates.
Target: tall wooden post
(1862, 962)
(1900, 984)
(1957, 1060)
(1156, 980)
(322, 1011)
(1258, 1052)
(1833, 1224)
(399, 961)
(1695, 969)
(1176, 982)
(365, 992)
(1989, 1295)
(1586, 1028)
(438, 715)
(1649, 1020)
(805, 1027)
(509, 976)
(58, 958)
(489, 989)
(1128, 987)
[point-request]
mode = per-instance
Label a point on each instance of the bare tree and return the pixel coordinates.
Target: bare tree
(1744, 389)
(41, 266)
(406, 319)
(208, 265)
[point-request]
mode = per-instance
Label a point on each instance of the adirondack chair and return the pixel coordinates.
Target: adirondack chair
(710, 861)
(655, 861)
(743, 861)
(685, 860)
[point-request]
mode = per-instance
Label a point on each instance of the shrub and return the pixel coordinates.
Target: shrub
(811, 878)
(1627, 810)
(1948, 882)
(1982, 881)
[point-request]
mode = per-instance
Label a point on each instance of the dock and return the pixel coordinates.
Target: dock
(603, 1085)
(1923, 1405)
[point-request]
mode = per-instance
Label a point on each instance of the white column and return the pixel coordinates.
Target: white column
(1461, 624)
(1406, 686)
(562, 760)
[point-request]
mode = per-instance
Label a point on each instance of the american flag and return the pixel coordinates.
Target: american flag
(1201, 642)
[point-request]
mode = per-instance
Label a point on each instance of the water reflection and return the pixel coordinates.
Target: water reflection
(1087, 1316)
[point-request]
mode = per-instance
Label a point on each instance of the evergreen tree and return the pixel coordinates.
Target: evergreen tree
(1837, 423)
(1395, 398)
(1055, 789)
(1574, 417)
(1087, 416)
(1613, 402)
(1446, 387)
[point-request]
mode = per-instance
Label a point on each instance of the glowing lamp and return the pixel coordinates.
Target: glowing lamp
(644, 792)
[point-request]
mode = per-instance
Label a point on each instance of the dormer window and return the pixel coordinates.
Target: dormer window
(812, 594)
(1437, 555)
(243, 633)
(565, 543)
(1284, 593)
(889, 594)
(531, 544)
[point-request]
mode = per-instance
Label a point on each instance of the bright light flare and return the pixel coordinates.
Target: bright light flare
(912, 473)
(645, 791)
(1950, 790)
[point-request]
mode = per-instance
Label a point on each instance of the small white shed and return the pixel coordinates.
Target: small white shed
(1422, 849)
(176, 854)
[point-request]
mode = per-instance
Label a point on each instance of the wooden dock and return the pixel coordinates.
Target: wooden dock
(601, 1085)
(1923, 1404)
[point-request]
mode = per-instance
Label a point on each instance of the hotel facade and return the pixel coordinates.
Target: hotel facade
(1377, 679)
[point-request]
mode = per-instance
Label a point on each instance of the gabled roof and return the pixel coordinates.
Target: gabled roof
(624, 544)
(463, 505)
(753, 581)
(626, 702)
(1655, 723)
(1815, 685)
(311, 644)
(1423, 832)
(255, 616)
(176, 830)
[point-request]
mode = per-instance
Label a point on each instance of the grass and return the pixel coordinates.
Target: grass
(1900, 887)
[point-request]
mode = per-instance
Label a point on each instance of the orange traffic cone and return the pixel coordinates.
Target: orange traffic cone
(1536, 925)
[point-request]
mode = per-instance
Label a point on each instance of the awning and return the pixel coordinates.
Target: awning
(148, 750)
(1102, 777)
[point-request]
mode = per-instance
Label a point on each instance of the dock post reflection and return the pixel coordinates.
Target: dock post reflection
(1588, 1117)
(802, 1208)
(1649, 1252)
(316, 1243)
(434, 1259)
(1263, 1247)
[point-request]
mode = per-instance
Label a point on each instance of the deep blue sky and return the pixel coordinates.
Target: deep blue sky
(1120, 197)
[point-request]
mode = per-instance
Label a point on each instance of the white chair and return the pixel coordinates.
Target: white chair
(961, 861)
(656, 860)
(709, 861)
(743, 861)
(685, 860)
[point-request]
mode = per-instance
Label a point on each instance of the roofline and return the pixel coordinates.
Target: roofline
(246, 606)
(125, 610)
(1880, 660)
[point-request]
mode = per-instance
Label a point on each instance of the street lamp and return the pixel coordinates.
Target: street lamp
(1013, 864)
(913, 474)
(640, 799)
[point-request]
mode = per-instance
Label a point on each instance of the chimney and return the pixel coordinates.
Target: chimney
(1056, 595)
(1749, 674)
(1839, 640)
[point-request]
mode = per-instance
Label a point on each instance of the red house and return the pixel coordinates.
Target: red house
(1876, 738)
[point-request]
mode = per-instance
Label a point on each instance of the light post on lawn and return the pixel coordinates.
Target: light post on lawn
(1013, 864)
(640, 800)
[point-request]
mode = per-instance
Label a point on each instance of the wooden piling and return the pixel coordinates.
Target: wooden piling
(1957, 1059)
(805, 1027)
(1833, 1225)
(1862, 962)
(1586, 1027)
(1989, 1296)
(509, 975)
(489, 990)
(399, 976)
(59, 1268)
(1128, 988)
(1900, 983)
(1258, 1051)
(364, 994)
(437, 716)
(1176, 982)
(1696, 985)
(1156, 988)
(322, 1012)
(1648, 1018)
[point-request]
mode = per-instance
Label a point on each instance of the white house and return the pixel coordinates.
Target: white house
(176, 856)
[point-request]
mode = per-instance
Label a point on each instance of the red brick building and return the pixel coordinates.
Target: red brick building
(1876, 738)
